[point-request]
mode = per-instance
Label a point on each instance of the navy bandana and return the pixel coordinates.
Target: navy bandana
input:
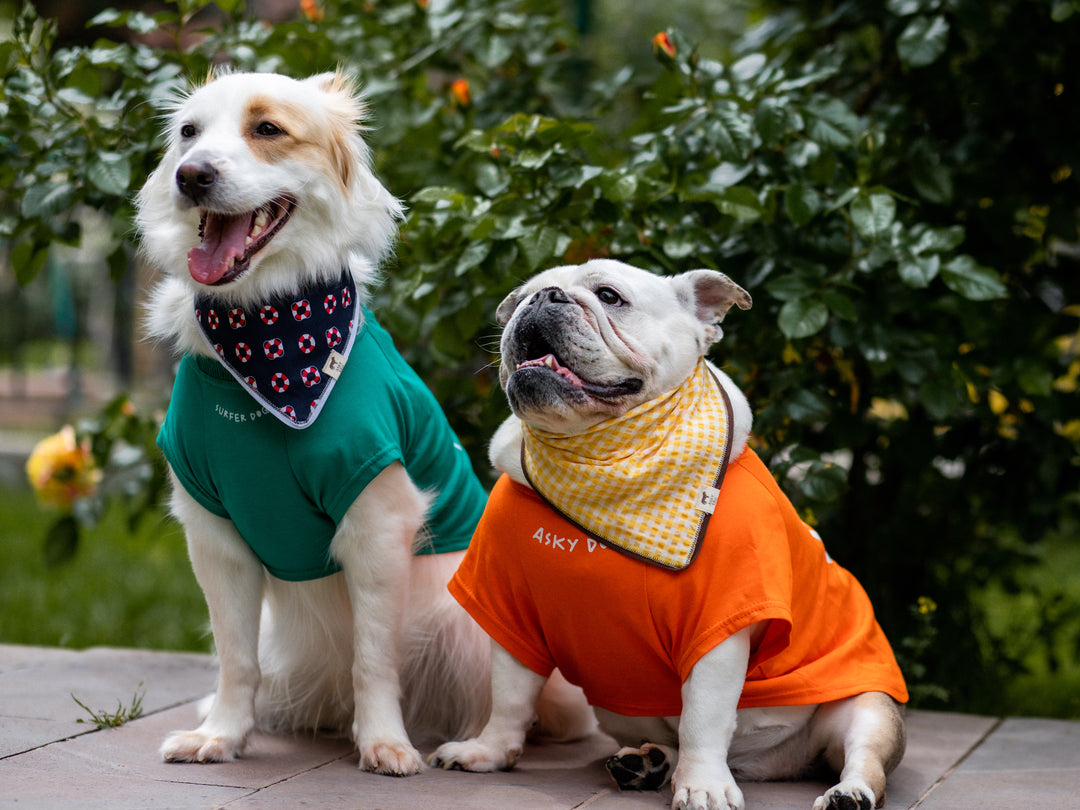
(288, 351)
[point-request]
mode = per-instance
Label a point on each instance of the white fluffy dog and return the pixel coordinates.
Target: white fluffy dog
(265, 196)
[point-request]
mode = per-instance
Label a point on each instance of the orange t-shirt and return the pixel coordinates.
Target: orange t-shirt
(629, 633)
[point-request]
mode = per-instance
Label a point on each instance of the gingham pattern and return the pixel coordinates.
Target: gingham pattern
(635, 481)
(278, 350)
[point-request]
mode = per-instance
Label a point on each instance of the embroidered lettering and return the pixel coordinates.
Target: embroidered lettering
(232, 416)
(555, 542)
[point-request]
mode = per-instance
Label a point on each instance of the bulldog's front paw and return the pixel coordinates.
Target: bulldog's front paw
(390, 758)
(699, 789)
(202, 745)
(852, 794)
(645, 768)
(474, 755)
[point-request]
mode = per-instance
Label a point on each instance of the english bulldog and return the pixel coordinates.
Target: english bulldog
(636, 542)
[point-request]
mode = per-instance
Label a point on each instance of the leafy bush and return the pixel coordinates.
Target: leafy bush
(862, 170)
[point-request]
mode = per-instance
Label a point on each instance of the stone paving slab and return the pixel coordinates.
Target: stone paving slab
(48, 761)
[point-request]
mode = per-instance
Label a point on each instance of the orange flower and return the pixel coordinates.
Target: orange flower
(311, 10)
(422, 3)
(62, 470)
(460, 91)
(662, 43)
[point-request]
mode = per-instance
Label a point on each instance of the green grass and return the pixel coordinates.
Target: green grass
(121, 589)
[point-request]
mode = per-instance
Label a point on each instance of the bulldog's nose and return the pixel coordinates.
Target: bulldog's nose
(196, 180)
(552, 295)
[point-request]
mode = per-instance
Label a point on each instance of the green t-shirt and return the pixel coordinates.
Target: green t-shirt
(286, 489)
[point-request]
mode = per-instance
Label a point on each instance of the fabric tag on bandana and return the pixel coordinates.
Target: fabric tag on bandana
(288, 351)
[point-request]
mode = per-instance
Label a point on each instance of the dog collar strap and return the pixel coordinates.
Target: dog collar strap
(645, 482)
(288, 351)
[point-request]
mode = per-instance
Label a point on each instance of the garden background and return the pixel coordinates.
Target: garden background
(892, 181)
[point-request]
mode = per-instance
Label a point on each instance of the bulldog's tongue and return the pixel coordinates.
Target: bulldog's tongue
(224, 237)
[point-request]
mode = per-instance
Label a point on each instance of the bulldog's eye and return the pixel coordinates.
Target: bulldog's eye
(188, 131)
(269, 130)
(609, 297)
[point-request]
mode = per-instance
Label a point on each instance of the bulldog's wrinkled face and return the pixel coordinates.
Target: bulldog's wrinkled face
(584, 343)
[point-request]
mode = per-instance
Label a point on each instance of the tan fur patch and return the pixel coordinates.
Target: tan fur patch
(326, 148)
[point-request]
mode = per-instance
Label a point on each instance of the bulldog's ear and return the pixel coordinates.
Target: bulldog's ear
(711, 294)
(508, 305)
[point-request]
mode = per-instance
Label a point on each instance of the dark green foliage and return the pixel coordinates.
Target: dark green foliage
(892, 181)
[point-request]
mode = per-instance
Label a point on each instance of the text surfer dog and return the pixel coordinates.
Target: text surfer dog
(325, 499)
(733, 646)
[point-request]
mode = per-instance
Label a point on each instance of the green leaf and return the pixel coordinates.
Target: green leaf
(832, 122)
(939, 240)
(840, 305)
(790, 286)
(919, 271)
(967, 277)
(110, 172)
(803, 317)
(46, 200)
(61, 541)
(618, 187)
(740, 202)
(873, 215)
(923, 41)
(771, 121)
(933, 181)
(806, 406)
(824, 481)
(541, 245)
(729, 131)
(27, 259)
(801, 203)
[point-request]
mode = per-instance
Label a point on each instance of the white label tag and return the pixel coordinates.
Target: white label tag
(334, 365)
(706, 500)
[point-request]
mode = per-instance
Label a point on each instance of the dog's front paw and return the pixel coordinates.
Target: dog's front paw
(202, 745)
(474, 755)
(645, 768)
(852, 794)
(390, 758)
(705, 789)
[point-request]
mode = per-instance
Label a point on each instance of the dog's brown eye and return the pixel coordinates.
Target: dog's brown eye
(609, 296)
(268, 130)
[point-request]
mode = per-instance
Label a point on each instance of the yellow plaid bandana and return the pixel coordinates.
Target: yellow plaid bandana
(645, 482)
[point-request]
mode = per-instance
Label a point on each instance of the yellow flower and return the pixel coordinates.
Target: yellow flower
(62, 470)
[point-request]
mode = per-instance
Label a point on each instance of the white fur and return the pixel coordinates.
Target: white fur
(668, 325)
(380, 649)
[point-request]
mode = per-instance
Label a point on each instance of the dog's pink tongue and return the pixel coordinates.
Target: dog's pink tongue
(224, 238)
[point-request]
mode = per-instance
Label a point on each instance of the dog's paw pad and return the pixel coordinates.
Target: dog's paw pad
(644, 768)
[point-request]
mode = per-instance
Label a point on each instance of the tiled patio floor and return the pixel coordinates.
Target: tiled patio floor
(49, 760)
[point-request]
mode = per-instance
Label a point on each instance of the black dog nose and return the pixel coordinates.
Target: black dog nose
(196, 180)
(552, 295)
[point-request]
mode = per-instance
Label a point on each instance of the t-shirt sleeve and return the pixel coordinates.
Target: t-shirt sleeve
(713, 603)
(196, 482)
(492, 587)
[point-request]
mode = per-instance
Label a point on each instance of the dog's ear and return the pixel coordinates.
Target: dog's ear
(345, 107)
(506, 309)
(710, 294)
